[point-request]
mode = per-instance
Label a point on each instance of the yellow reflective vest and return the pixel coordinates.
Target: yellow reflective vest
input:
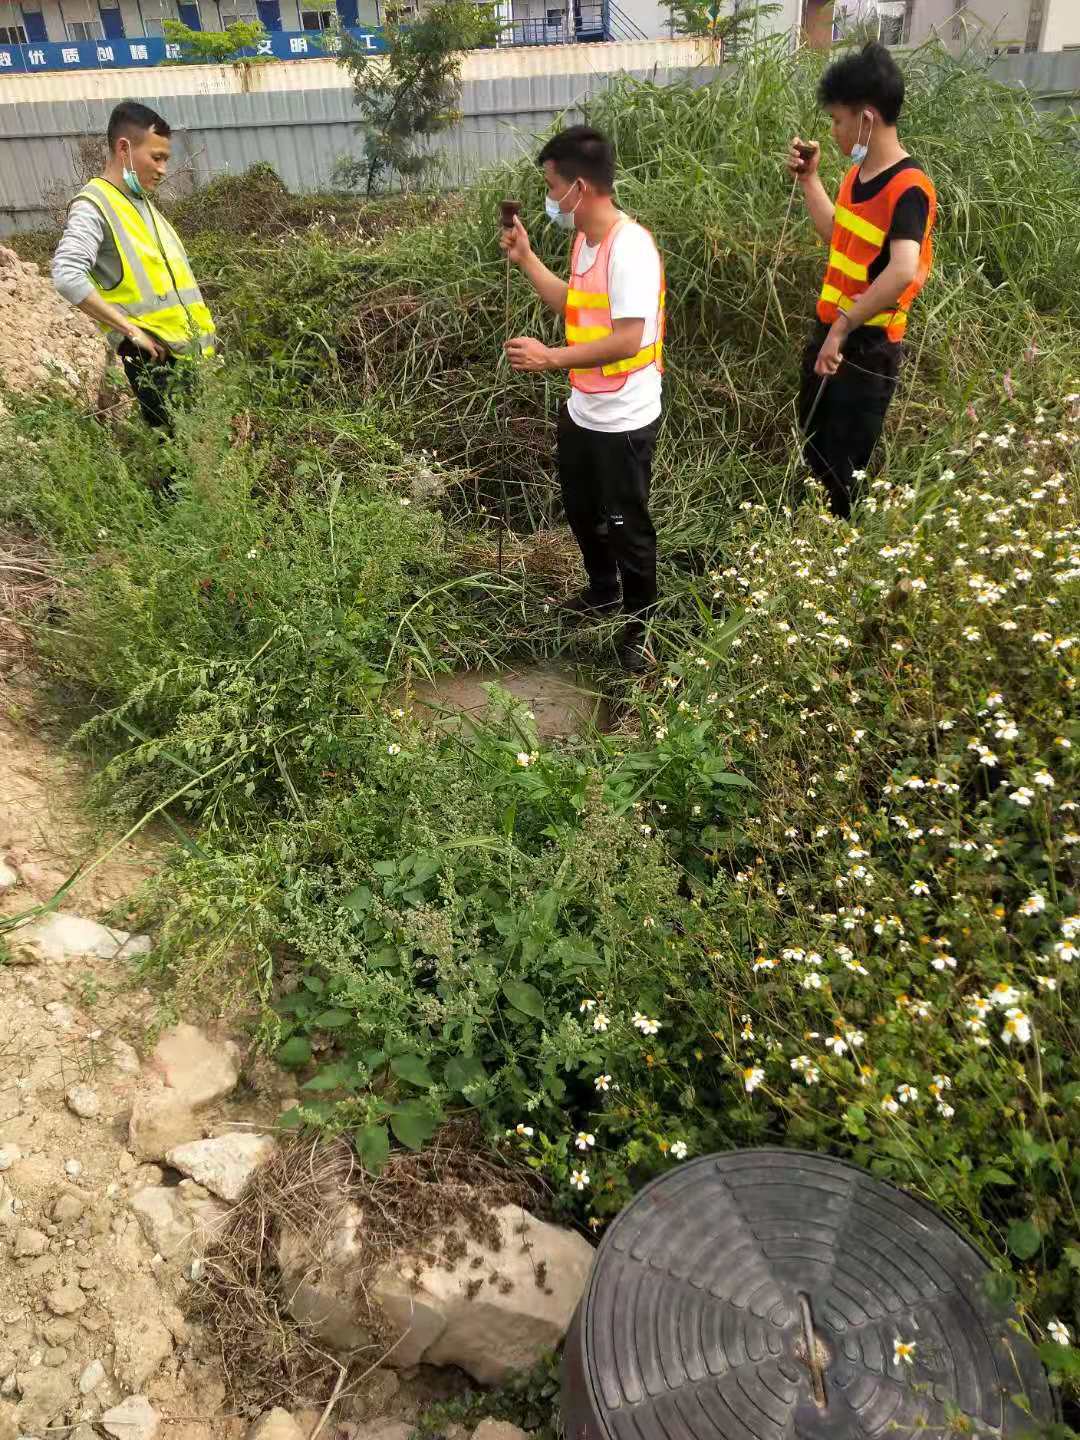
(157, 289)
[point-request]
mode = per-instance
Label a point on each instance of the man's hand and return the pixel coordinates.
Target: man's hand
(515, 242)
(829, 357)
(800, 166)
(526, 354)
(147, 343)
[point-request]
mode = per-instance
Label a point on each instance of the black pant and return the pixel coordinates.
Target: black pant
(605, 482)
(150, 381)
(848, 420)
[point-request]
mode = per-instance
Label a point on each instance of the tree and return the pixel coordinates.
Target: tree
(410, 92)
(216, 47)
(726, 31)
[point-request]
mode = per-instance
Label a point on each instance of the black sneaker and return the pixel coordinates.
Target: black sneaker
(635, 657)
(589, 603)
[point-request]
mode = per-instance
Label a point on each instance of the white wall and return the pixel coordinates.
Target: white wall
(652, 16)
(1062, 25)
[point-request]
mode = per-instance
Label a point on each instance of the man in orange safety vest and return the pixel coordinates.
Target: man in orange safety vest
(879, 234)
(613, 309)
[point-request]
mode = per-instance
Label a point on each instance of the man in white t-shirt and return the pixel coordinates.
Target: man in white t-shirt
(614, 314)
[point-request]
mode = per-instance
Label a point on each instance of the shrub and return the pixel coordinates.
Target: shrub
(818, 885)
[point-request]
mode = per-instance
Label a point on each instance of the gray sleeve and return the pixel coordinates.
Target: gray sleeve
(77, 253)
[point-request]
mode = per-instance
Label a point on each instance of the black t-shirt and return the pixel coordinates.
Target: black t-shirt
(910, 218)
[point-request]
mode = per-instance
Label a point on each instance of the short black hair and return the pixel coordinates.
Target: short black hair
(869, 76)
(581, 153)
(131, 121)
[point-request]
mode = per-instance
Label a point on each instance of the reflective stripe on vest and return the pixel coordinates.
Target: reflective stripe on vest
(156, 287)
(588, 317)
(859, 235)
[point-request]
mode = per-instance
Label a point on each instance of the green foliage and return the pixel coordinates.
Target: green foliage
(410, 93)
(216, 47)
(818, 885)
(727, 31)
(530, 1401)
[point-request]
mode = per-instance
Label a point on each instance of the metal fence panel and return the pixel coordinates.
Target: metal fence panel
(508, 98)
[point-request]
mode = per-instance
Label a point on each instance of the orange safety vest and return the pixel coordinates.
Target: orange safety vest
(858, 238)
(588, 317)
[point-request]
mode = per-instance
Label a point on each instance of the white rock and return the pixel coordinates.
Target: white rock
(317, 1276)
(64, 937)
(199, 1069)
(177, 1226)
(436, 1314)
(498, 1430)
(91, 1377)
(143, 1343)
(73, 1169)
(9, 878)
(504, 1328)
(160, 1120)
(83, 1101)
(276, 1424)
(30, 1243)
(224, 1164)
(45, 1394)
(125, 1057)
(133, 1419)
(9, 1154)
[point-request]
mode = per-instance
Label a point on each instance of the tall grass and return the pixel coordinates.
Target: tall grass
(700, 164)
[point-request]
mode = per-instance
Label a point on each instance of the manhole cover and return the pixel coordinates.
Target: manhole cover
(761, 1295)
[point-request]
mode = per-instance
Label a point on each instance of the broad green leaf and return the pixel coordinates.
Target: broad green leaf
(462, 1071)
(1024, 1239)
(413, 1126)
(294, 1053)
(412, 1069)
(525, 997)
(359, 901)
(385, 867)
(728, 777)
(1064, 1359)
(332, 1019)
(373, 1147)
(331, 1077)
(424, 868)
(993, 1176)
(289, 1119)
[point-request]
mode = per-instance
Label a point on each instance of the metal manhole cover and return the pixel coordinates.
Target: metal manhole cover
(761, 1295)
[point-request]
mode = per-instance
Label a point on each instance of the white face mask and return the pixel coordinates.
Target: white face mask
(557, 215)
(859, 151)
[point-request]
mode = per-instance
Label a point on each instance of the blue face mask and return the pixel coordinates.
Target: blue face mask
(131, 180)
(859, 151)
(557, 215)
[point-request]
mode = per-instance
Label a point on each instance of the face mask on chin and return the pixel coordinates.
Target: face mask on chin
(564, 219)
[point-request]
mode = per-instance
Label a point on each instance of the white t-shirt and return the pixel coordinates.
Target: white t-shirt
(634, 291)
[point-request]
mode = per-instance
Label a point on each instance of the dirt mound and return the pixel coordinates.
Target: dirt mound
(42, 337)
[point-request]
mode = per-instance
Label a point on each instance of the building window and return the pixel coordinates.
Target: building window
(12, 35)
(317, 19)
(85, 30)
(155, 13)
(234, 11)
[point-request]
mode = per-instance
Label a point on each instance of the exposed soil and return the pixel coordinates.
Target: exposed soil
(560, 704)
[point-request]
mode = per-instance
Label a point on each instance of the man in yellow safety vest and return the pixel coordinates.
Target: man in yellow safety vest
(122, 263)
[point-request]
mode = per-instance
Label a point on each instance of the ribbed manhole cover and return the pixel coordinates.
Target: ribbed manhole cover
(762, 1295)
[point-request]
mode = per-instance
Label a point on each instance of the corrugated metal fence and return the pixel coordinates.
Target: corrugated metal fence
(303, 131)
